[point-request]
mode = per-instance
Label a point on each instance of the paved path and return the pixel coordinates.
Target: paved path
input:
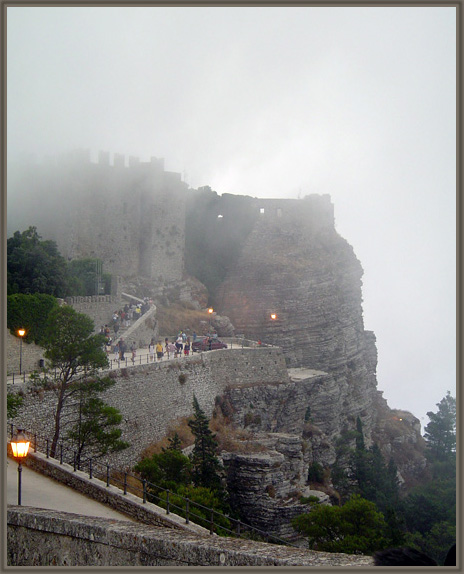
(40, 491)
(142, 358)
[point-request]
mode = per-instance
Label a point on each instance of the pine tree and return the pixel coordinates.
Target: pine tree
(440, 433)
(174, 444)
(205, 463)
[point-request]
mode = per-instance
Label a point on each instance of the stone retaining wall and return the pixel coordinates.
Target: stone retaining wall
(31, 354)
(38, 537)
(152, 397)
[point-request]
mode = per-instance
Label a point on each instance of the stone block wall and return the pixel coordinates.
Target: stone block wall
(152, 397)
(31, 354)
(133, 218)
(38, 537)
(99, 308)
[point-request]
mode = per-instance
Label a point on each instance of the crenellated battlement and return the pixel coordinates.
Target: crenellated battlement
(131, 214)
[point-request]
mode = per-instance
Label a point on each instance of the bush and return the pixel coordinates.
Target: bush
(30, 312)
(355, 528)
(316, 473)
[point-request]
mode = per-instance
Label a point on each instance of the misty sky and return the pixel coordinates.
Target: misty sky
(277, 102)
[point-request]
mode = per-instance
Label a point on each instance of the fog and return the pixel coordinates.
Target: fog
(277, 102)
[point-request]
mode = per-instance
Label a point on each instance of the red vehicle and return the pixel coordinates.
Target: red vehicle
(207, 344)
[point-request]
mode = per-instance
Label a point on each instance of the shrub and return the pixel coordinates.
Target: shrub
(30, 312)
(315, 473)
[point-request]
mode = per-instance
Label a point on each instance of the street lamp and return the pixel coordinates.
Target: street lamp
(210, 311)
(273, 316)
(21, 333)
(19, 446)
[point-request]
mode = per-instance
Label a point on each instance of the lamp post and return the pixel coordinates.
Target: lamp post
(19, 446)
(21, 333)
(210, 311)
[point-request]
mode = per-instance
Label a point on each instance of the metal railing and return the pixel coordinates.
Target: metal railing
(214, 521)
(139, 359)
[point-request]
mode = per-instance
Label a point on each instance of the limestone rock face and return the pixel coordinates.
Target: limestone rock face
(297, 284)
(302, 271)
(267, 486)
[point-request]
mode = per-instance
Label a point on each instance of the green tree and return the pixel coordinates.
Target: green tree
(174, 443)
(357, 527)
(169, 469)
(76, 355)
(440, 433)
(84, 279)
(97, 427)
(436, 542)
(205, 463)
(29, 311)
(35, 266)
(428, 504)
(13, 404)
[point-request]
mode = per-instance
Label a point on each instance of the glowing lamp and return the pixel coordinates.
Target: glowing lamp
(19, 444)
(21, 333)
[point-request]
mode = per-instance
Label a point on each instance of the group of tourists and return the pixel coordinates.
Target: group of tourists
(179, 346)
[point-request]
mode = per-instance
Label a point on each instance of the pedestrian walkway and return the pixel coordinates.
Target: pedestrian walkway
(40, 491)
(142, 358)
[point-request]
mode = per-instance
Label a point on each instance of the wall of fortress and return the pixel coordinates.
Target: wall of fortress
(153, 397)
(130, 216)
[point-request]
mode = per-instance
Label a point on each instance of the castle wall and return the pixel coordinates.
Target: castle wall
(31, 355)
(151, 397)
(133, 218)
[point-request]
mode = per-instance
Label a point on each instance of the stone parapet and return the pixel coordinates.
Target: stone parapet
(129, 504)
(38, 537)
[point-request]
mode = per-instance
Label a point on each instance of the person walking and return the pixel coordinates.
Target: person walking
(159, 350)
(134, 352)
(122, 349)
(151, 350)
(179, 345)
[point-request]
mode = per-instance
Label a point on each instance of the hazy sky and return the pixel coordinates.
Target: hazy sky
(356, 102)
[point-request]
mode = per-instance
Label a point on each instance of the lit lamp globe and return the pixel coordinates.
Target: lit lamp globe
(21, 333)
(19, 446)
(210, 311)
(273, 316)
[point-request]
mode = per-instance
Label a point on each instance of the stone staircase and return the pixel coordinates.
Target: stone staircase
(128, 333)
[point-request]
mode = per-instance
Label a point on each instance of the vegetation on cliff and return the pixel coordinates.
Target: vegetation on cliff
(196, 477)
(423, 518)
(357, 527)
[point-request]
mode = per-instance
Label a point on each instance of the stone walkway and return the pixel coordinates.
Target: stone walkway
(142, 358)
(39, 491)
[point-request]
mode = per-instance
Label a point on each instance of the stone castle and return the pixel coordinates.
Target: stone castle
(289, 262)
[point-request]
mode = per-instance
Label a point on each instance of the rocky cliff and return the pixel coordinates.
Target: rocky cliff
(296, 266)
(283, 275)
